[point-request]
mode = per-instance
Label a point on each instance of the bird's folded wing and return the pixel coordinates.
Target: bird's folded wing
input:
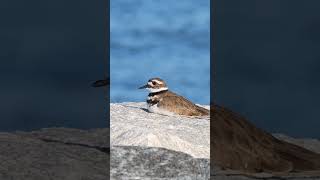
(178, 102)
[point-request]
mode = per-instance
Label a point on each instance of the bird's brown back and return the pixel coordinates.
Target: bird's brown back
(180, 105)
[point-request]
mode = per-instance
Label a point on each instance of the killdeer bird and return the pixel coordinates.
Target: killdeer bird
(100, 83)
(162, 101)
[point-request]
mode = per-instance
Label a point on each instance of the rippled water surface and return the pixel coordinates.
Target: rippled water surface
(167, 39)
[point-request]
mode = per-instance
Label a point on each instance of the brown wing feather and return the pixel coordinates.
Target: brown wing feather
(181, 105)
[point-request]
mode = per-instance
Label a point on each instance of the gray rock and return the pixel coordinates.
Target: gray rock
(129, 162)
(311, 144)
(132, 125)
(152, 146)
(63, 154)
(73, 154)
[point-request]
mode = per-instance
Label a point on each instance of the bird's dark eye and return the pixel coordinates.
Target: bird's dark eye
(154, 83)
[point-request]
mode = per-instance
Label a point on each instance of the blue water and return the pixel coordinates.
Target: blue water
(166, 39)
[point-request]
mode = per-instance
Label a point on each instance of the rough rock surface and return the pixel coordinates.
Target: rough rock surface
(132, 125)
(311, 144)
(239, 145)
(251, 152)
(73, 154)
(129, 162)
(58, 153)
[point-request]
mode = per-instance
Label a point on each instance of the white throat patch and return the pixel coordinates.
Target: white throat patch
(157, 90)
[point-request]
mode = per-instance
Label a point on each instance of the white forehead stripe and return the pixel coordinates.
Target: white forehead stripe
(150, 83)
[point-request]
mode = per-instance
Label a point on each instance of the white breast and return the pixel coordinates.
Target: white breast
(155, 109)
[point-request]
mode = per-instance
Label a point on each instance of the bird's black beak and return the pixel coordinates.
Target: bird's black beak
(101, 83)
(143, 87)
